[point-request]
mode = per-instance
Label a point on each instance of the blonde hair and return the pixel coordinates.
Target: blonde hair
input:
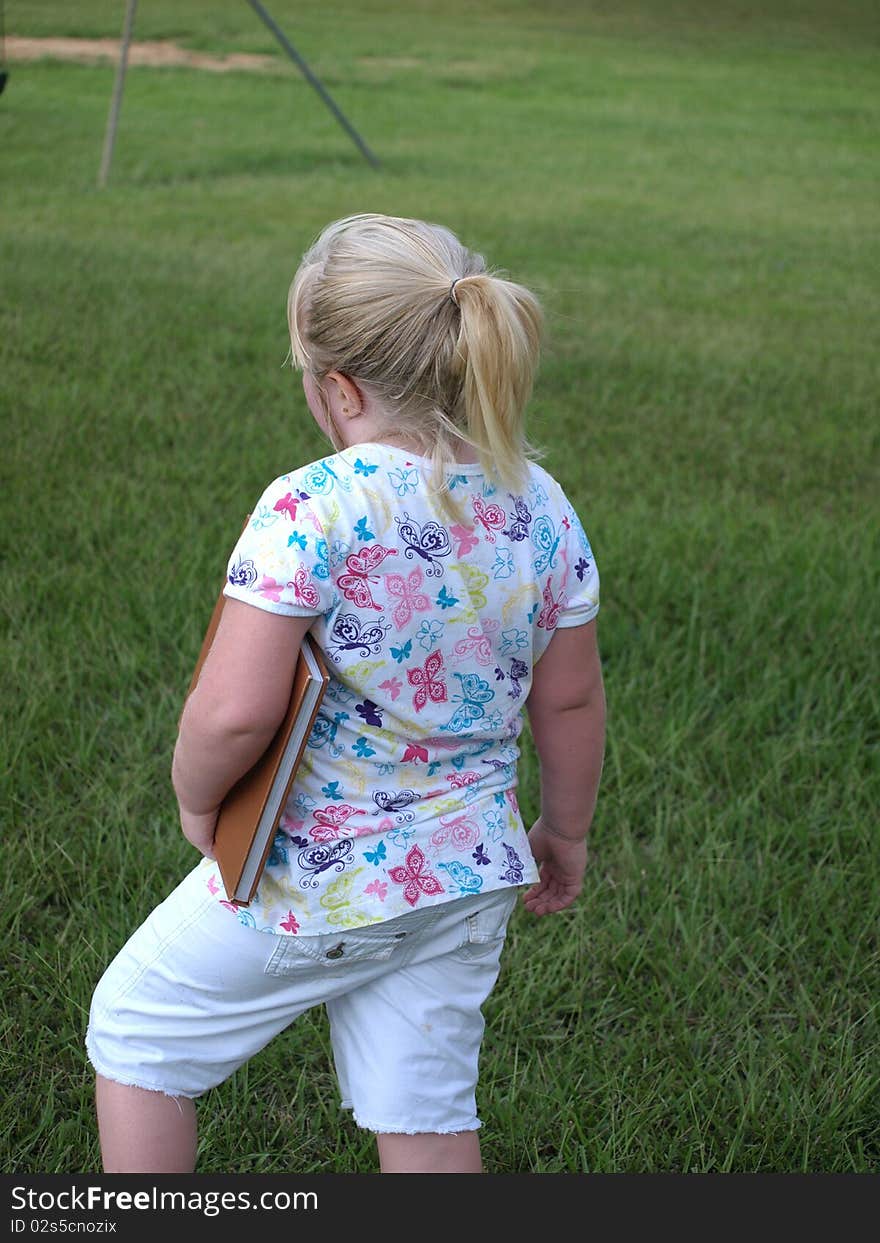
(374, 299)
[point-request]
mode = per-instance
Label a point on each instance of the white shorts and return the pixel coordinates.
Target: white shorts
(194, 994)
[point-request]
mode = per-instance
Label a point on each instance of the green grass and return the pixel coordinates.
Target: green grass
(695, 199)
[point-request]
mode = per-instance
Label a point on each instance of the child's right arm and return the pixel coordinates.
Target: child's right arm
(566, 707)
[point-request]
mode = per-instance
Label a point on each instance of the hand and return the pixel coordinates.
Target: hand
(561, 864)
(198, 828)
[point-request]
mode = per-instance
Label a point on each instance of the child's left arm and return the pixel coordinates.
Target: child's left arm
(231, 717)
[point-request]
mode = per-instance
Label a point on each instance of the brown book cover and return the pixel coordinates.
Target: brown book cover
(250, 812)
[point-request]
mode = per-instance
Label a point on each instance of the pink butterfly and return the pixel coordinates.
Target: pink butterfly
(407, 591)
(290, 924)
(459, 780)
(414, 878)
(392, 686)
(213, 887)
(356, 583)
(304, 589)
(269, 588)
(465, 537)
(463, 831)
(287, 505)
(332, 823)
(478, 642)
(379, 888)
(428, 682)
(549, 614)
(492, 517)
(414, 753)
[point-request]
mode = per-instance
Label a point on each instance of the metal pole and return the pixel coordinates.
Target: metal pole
(313, 81)
(116, 103)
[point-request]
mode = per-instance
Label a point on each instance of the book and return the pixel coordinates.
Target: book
(250, 813)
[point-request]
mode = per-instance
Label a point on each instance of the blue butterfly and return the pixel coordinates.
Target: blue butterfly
(454, 480)
(361, 468)
(331, 790)
(371, 712)
(376, 856)
(445, 600)
(404, 481)
(400, 836)
(514, 870)
(475, 691)
(324, 733)
(463, 876)
(278, 855)
(321, 478)
(546, 537)
(401, 654)
(322, 567)
(362, 531)
(428, 541)
(298, 539)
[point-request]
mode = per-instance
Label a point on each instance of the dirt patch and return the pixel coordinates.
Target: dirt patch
(160, 54)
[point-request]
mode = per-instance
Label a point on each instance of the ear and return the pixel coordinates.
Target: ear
(349, 399)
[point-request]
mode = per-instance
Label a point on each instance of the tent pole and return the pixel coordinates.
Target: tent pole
(313, 81)
(116, 103)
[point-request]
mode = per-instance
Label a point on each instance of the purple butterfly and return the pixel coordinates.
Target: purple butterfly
(317, 859)
(349, 634)
(514, 870)
(371, 712)
(517, 670)
(386, 801)
(428, 541)
(481, 856)
(243, 574)
(581, 568)
(519, 526)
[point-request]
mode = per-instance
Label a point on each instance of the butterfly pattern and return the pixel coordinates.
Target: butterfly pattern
(360, 567)
(427, 541)
(405, 795)
(410, 599)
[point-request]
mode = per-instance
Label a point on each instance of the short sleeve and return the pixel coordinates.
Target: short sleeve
(281, 562)
(582, 578)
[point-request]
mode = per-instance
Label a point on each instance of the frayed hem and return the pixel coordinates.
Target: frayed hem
(382, 1128)
(113, 1077)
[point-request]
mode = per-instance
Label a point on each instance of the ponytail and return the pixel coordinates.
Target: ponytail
(499, 342)
(449, 349)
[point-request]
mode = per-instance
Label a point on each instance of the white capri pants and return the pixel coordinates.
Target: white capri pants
(194, 994)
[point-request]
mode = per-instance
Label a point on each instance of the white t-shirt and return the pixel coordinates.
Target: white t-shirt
(431, 628)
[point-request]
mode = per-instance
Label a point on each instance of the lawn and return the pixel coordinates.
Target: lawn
(692, 189)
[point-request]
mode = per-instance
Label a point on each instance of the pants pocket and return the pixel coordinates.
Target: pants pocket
(333, 951)
(486, 926)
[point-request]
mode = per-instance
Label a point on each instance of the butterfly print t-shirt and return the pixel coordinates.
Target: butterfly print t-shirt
(431, 626)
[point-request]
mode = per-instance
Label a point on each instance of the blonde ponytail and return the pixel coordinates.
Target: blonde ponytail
(499, 342)
(449, 349)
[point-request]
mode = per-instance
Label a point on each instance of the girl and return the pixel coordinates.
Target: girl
(450, 584)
